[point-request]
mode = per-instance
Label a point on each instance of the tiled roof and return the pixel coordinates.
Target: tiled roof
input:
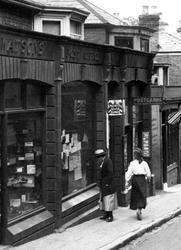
(96, 16)
(169, 41)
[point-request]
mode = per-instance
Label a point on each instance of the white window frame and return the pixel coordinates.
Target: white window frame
(64, 23)
(75, 35)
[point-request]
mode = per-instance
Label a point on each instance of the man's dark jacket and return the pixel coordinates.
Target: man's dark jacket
(106, 178)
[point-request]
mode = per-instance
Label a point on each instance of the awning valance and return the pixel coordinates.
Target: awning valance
(174, 117)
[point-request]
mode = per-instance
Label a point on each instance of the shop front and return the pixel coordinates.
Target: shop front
(166, 135)
(27, 74)
(98, 87)
(83, 126)
(53, 116)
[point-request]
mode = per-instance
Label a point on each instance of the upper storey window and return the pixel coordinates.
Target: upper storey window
(144, 45)
(75, 29)
(51, 27)
(160, 76)
(59, 25)
(123, 42)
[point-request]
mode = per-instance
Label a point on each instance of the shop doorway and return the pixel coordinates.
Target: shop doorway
(170, 148)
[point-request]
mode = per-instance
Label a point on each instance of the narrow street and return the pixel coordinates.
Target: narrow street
(165, 237)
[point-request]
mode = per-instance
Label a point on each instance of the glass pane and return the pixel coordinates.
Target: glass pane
(33, 96)
(52, 27)
(78, 168)
(24, 164)
(13, 96)
(124, 42)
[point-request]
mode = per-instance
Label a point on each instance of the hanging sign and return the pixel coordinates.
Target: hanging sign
(115, 107)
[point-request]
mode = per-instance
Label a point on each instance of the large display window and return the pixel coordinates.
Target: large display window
(24, 163)
(78, 128)
(22, 115)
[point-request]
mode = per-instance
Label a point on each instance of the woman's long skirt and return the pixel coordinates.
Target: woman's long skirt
(138, 192)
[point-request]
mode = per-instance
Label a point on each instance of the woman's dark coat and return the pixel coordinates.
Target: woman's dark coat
(106, 178)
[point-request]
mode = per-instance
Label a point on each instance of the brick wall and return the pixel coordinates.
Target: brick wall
(174, 68)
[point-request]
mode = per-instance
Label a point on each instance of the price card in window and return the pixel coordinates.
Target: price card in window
(29, 156)
(19, 169)
(21, 158)
(31, 169)
(15, 202)
(28, 144)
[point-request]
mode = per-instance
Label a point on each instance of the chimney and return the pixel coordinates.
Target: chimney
(150, 19)
(145, 10)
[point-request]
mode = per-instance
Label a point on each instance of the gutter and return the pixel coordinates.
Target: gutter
(25, 4)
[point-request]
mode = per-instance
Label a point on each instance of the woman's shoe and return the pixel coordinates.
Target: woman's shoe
(109, 219)
(139, 215)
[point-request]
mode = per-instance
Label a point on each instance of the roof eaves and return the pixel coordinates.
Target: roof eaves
(66, 9)
(25, 3)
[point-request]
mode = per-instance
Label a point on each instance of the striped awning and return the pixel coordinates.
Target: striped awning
(174, 117)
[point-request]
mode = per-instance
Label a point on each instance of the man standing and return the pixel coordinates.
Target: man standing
(108, 197)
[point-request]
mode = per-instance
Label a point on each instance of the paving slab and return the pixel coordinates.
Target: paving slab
(97, 234)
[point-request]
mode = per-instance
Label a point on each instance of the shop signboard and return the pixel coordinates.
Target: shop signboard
(147, 100)
(116, 107)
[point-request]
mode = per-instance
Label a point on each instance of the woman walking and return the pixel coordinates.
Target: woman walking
(138, 173)
(108, 197)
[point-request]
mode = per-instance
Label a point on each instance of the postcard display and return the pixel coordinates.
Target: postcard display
(24, 150)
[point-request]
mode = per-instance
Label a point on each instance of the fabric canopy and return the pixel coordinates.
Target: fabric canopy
(173, 119)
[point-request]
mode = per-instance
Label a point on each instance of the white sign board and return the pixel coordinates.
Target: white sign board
(115, 107)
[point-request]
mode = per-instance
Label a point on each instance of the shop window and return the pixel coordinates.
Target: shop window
(24, 164)
(13, 93)
(34, 96)
(78, 109)
(52, 27)
(123, 41)
(22, 146)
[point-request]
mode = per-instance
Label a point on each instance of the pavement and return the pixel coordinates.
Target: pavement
(96, 234)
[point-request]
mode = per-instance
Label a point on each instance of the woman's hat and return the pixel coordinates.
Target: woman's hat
(138, 151)
(99, 152)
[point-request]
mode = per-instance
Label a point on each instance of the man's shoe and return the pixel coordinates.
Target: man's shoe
(109, 219)
(103, 217)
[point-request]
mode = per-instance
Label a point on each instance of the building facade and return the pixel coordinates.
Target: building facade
(61, 99)
(165, 103)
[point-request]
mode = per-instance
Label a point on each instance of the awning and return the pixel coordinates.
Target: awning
(174, 117)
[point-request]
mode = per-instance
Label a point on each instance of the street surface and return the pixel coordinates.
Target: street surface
(166, 237)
